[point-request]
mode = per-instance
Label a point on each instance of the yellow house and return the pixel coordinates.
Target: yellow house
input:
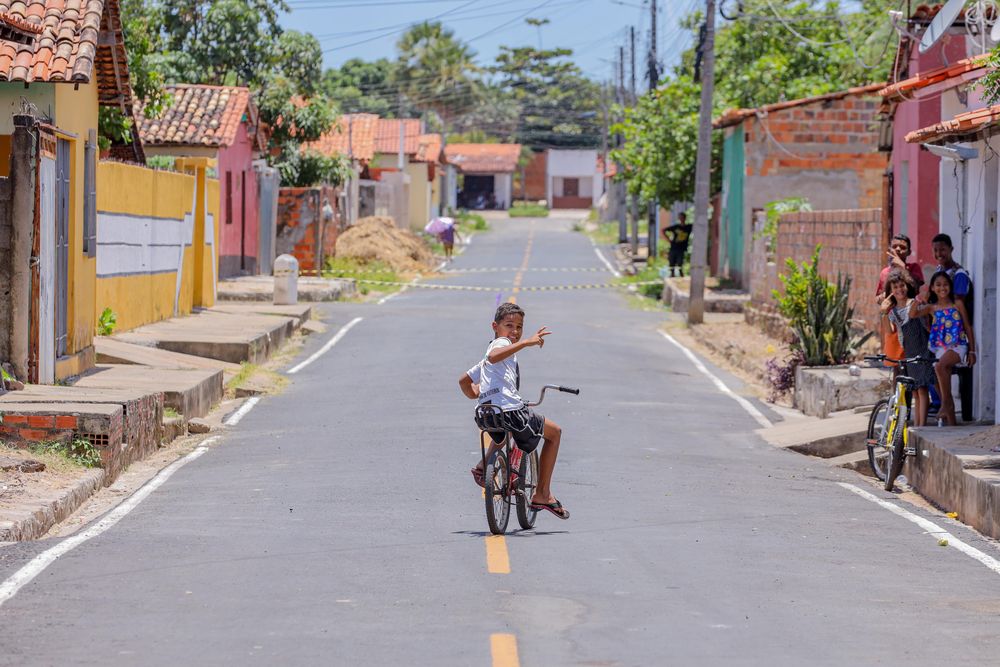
(420, 161)
(59, 62)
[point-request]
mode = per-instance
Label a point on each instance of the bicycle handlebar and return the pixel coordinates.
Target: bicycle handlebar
(911, 360)
(541, 397)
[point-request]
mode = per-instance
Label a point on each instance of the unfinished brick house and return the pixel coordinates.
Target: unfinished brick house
(822, 148)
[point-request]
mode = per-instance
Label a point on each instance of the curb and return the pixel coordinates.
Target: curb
(38, 522)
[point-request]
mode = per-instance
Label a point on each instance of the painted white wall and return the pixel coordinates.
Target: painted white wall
(130, 244)
(579, 164)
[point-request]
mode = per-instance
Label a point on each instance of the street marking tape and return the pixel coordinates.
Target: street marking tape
(323, 350)
(932, 529)
(720, 385)
(575, 269)
(497, 560)
(503, 649)
(37, 565)
(540, 288)
(235, 418)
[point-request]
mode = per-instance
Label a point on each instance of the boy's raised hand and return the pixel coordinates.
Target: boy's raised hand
(539, 338)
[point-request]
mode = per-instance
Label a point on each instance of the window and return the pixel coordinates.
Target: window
(571, 187)
(90, 195)
(229, 197)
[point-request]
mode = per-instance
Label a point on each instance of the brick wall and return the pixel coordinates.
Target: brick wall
(301, 231)
(535, 174)
(851, 245)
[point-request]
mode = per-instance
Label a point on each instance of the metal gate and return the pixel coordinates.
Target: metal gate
(62, 245)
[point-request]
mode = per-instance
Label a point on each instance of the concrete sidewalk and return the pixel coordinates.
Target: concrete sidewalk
(261, 288)
(839, 439)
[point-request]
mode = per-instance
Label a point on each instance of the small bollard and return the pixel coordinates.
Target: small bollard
(286, 280)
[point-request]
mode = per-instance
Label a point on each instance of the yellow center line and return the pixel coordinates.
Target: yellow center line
(497, 561)
(503, 647)
(519, 277)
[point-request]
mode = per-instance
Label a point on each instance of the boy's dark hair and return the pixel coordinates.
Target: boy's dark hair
(943, 238)
(903, 237)
(932, 297)
(506, 309)
(900, 276)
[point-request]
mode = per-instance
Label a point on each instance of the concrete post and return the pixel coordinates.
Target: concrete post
(986, 337)
(22, 182)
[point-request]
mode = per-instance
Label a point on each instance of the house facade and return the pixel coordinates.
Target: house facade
(220, 123)
(573, 179)
(487, 174)
(822, 148)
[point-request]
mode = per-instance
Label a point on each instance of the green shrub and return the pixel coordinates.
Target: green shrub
(522, 209)
(820, 314)
(79, 450)
(107, 322)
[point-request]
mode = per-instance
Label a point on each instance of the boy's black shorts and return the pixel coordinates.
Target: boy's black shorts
(526, 427)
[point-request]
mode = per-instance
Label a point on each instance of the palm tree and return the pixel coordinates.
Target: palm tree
(437, 71)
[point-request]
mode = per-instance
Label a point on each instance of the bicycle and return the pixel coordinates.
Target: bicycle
(509, 472)
(888, 434)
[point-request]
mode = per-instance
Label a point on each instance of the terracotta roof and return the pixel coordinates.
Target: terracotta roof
(898, 90)
(969, 122)
(732, 117)
(199, 116)
(608, 168)
(353, 134)
(428, 148)
(66, 43)
(483, 158)
(387, 135)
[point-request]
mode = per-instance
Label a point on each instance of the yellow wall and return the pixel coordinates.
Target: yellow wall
(130, 199)
(212, 259)
(76, 115)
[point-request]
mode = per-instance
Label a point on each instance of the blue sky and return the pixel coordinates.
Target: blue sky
(592, 28)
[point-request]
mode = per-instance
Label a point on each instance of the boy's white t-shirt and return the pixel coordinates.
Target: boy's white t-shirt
(497, 382)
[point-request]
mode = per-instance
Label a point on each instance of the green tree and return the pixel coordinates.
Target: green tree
(437, 71)
(557, 105)
(358, 86)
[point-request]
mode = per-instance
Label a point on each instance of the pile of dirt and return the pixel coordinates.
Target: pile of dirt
(378, 238)
(985, 439)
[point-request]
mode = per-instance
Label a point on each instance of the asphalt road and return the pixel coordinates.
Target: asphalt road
(338, 524)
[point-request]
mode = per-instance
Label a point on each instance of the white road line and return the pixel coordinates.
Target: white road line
(326, 348)
(720, 385)
(235, 418)
(931, 528)
(601, 256)
(395, 294)
(37, 565)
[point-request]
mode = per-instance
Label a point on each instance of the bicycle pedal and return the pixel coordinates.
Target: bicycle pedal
(910, 451)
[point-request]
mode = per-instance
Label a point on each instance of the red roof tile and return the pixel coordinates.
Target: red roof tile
(483, 158)
(897, 91)
(199, 116)
(429, 148)
(353, 135)
(969, 122)
(732, 117)
(62, 31)
(387, 135)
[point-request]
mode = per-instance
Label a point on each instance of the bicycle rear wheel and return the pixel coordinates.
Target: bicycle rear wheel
(897, 454)
(878, 447)
(527, 481)
(497, 495)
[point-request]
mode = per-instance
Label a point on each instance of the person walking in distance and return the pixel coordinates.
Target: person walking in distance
(679, 235)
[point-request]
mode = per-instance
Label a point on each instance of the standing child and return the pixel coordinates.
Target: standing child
(951, 340)
(911, 332)
(494, 380)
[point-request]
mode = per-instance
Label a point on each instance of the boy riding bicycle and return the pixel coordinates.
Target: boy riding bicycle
(494, 381)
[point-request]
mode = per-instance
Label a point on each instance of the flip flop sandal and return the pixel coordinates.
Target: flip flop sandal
(556, 508)
(477, 475)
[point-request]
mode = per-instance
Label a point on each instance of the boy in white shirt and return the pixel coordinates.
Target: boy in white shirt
(494, 380)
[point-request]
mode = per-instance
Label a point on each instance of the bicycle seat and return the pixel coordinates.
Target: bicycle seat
(490, 418)
(907, 380)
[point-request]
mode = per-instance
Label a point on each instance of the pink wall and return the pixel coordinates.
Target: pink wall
(916, 173)
(238, 232)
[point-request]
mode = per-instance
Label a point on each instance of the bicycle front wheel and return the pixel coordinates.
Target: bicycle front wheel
(897, 454)
(527, 481)
(497, 495)
(877, 440)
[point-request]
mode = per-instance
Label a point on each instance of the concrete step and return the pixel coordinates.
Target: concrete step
(301, 312)
(856, 461)
(250, 337)
(191, 392)
(825, 438)
(261, 288)
(112, 351)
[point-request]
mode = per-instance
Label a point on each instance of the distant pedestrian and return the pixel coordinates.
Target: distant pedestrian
(679, 235)
(911, 334)
(447, 238)
(898, 252)
(951, 340)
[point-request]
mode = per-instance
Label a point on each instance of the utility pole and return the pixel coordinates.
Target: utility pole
(699, 253)
(622, 222)
(654, 206)
(631, 31)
